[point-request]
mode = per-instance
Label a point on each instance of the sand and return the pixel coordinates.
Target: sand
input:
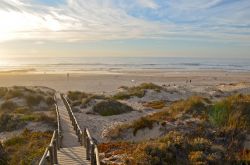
(108, 82)
(207, 83)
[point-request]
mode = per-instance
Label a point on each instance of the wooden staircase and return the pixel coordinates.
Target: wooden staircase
(69, 144)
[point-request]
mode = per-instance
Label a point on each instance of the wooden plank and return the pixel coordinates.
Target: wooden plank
(73, 155)
(69, 137)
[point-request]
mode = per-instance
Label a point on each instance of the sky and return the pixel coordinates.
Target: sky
(171, 28)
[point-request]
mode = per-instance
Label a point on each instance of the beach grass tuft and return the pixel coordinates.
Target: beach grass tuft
(156, 104)
(136, 91)
(26, 148)
(111, 107)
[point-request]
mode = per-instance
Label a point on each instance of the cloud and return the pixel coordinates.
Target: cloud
(84, 20)
(148, 4)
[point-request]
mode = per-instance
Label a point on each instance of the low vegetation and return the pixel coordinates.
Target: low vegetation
(156, 104)
(8, 105)
(20, 107)
(136, 91)
(26, 148)
(34, 100)
(141, 124)
(76, 95)
(111, 107)
(10, 122)
(232, 113)
(215, 136)
(3, 155)
(82, 99)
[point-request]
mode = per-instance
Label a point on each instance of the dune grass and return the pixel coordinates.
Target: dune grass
(3, 155)
(193, 105)
(8, 105)
(34, 100)
(19, 107)
(26, 148)
(173, 148)
(232, 113)
(136, 91)
(13, 93)
(228, 118)
(141, 124)
(156, 104)
(77, 95)
(111, 107)
(10, 122)
(3, 91)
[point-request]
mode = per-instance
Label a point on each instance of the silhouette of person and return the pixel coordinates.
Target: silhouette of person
(68, 76)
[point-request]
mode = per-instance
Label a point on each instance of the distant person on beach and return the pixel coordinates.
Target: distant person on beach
(68, 76)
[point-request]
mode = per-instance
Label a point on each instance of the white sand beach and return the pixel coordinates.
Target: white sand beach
(108, 82)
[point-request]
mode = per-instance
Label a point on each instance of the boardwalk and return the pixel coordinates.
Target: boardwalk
(71, 152)
(74, 156)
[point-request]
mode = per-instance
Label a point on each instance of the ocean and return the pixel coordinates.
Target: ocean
(113, 64)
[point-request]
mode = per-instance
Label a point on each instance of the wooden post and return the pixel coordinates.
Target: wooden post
(81, 139)
(57, 140)
(55, 152)
(78, 135)
(85, 138)
(87, 148)
(92, 156)
(51, 154)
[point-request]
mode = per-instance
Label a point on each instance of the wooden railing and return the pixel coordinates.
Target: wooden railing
(50, 154)
(84, 137)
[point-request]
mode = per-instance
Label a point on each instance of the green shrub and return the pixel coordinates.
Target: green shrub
(111, 107)
(156, 104)
(160, 151)
(9, 122)
(3, 91)
(8, 105)
(34, 100)
(194, 105)
(3, 155)
(218, 114)
(22, 110)
(76, 95)
(12, 93)
(138, 91)
(38, 117)
(50, 100)
(129, 94)
(141, 124)
(27, 148)
(233, 112)
(29, 117)
(85, 101)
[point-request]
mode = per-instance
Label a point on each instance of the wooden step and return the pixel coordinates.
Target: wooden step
(73, 155)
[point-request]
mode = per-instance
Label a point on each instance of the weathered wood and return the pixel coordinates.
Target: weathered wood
(84, 137)
(51, 154)
(87, 148)
(92, 154)
(55, 152)
(74, 155)
(97, 156)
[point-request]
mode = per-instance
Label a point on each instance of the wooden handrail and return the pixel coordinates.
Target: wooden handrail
(55, 143)
(50, 151)
(84, 137)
